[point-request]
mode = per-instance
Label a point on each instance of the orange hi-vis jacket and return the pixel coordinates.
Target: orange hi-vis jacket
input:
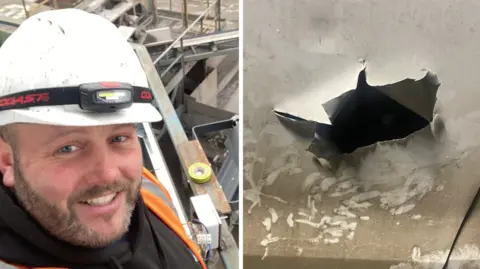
(158, 201)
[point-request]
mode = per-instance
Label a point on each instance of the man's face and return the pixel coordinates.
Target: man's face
(79, 183)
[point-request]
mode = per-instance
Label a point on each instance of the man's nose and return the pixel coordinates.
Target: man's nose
(103, 167)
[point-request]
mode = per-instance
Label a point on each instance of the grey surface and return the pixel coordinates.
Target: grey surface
(293, 47)
(229, 173)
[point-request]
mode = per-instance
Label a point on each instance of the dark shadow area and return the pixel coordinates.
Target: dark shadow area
(366, 115)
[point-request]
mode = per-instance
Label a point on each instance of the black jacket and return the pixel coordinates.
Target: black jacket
(149, 244)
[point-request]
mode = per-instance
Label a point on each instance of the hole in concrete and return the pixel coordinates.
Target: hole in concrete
(369, 114)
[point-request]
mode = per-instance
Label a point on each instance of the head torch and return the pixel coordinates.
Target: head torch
(95, 97)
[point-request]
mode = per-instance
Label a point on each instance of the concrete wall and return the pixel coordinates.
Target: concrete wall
(296, 47)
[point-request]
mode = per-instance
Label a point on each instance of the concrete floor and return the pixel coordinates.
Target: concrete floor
(296, 47)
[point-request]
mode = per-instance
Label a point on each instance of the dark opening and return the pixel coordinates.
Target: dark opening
(196, 76)
(366, 116)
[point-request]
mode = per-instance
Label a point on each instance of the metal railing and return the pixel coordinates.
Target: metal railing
(181, 56)
(186, 31)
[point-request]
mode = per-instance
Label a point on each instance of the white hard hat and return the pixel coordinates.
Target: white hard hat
(70, 51)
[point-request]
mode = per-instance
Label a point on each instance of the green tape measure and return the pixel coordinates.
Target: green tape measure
(200, 172)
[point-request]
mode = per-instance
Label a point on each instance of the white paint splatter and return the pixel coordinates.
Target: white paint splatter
(466, 256)
(365, 196)
(308, 222)
(265, 254)
(416, 217)
(299, 251)
(313, 211)
(328, 241)
(336, 218)
(315, 240)
(317, 197)
(310, 180)
(402, 209)
(272, 177)
(303, 214)
(364, 217)
(253, 195)
(274, 198)
(354, 205)
(290, 220)
(270, 239)
(402, 265)
(327, 183)
(267, 223)
(345, 185)
(335, 232)
(422, 181)
(351, 235)
(343, 211)
(359, 201)
(324, 163)
(408, 169)
(394, 197)
(274, 215)
(352, 226)
(325, 219)
(338, 194)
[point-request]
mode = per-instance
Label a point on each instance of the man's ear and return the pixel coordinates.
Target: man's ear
(6, 163)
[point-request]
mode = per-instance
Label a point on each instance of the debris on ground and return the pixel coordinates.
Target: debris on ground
(274, 215)
(290, 169)
(344, 211)
(327, 183)
(416, 217)
(315, 240)
(308, 222)
(299, 251)
(351, 235)
(328, 241)
(340, 193)
(270, 239)
(265, 254)
(290, 220)
(402, 209)
(466, 256)
(268, 224)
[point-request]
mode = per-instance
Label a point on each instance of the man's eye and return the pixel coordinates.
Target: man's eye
(117, 139)
(67, 149)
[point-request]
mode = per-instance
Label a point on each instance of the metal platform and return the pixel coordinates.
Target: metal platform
(209, 38)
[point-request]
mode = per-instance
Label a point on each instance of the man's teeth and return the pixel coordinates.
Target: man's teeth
(103, 200)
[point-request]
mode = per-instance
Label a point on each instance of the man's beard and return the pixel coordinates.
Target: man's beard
(67, 226)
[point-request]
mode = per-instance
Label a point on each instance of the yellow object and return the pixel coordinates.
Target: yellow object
(200, 172)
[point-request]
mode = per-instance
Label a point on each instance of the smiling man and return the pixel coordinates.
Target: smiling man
(74, 192)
